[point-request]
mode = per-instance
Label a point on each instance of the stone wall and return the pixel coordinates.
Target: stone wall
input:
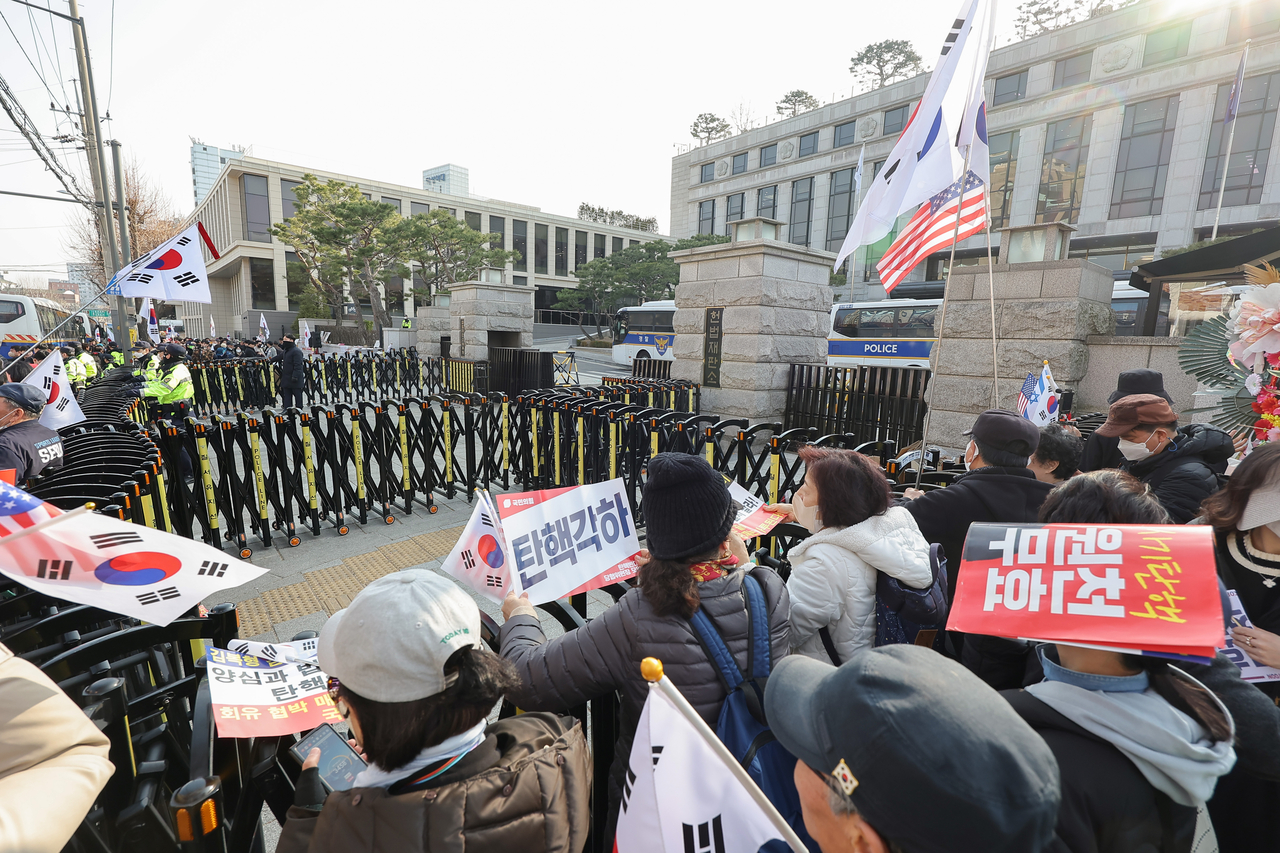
(1110, 355)
(477, 308)
(432, 323)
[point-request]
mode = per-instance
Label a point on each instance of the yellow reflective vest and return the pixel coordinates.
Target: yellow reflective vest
(171, 387)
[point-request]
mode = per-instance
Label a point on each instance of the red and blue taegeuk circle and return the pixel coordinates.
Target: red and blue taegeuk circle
(137, 569)
(170, 260)
(490, 551)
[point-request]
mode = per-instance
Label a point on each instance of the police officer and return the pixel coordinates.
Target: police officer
(25, 445)
(172, 389)
(145, 361)
(90, 364)
(75, 369)
(113, 356)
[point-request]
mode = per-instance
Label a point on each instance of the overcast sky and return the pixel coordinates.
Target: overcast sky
(548, 104)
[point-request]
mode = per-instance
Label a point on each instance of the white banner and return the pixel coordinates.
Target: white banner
(254, 697)
(563, 540)
(1250, 670)
(172, 271)
(50, 376)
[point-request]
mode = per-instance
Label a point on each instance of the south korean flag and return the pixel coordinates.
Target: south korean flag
(50, 376)
(479, 559)
(172, 271)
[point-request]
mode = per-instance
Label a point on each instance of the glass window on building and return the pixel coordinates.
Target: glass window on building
(452, 211)
(876, 167)
(1066, 151)
(1072, 70)
(394, 294)
(579, 249)
(296, 279)
(416, 207)
(472, 220)
(562, 251)
(739, 163)
(844, 134)
(599, 247)
(840, 208)
(801, 210)
(1011, 87)
(520, 244)
(1259, 19)
(708, 172)
(257, 213)
(707, 216)
(617, 244)
(520, 280)
(768, 155)
(767, 202)
(808, 144)
(394, 202)
(498, 225)
(896, 119)
(1255, 127)
(1118, 253)
(733, 209)
(262, 283)
(1167, 44)
(540, 253)
(288, 198)
(631, 243)
(1146, 141)
(1004, 164)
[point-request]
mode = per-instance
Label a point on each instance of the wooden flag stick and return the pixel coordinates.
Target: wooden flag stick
(47, 523)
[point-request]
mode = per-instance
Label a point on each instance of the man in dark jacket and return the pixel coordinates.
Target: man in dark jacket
(998, 487)
(293, 373)
(1181, 466)
(1102, 451)
(26, 446)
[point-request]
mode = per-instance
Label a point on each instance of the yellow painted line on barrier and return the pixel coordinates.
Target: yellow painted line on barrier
(359, 454)
(148, 511)
(506, 437)
(448, 445)
(774, 459)
(534, 441)
(582, 465)
(404, 449)
(309, 464)
(555, 430)
(202, 448)
(613, 447)
(258, 477)
(164, 500)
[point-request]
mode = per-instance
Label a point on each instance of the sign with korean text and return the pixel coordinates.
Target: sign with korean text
(255, 697)
(1250, 670)
(713, 348)
(1140, 587)
(564, 541)
(752, 519)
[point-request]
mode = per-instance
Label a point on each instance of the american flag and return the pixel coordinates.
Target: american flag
(932, 227)
(1029, 393)
(1233, 99)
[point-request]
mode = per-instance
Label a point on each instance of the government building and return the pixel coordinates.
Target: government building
(249, 195)
(1113, 124)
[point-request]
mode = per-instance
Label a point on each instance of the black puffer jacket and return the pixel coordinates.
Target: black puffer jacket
(292, 366)
(605, 656)
(1186, 471)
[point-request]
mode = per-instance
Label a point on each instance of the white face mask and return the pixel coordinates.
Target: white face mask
(968, 460)
(1274, 527)
(806, 515)
(1135, 451)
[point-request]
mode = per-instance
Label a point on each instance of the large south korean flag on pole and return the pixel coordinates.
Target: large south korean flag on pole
(61, 408)
(108, 563)
(173, 271)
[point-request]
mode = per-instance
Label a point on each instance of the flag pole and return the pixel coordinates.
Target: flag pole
(47, 523)
(651, 669)
(991, 295)
(1231, 137)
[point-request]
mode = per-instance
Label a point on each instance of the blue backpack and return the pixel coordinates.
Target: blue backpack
(742, 726)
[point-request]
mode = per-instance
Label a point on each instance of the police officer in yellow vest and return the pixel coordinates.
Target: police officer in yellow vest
(145, 361)
(112, 355)
(90, 364)
(75, 369)
(172, 389)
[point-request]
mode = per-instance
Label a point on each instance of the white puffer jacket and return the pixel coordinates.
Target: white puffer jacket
(833, 580)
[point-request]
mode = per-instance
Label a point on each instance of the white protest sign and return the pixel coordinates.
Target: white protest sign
(254, 697)
(752, 519)
(564, 541)
(1250, 670)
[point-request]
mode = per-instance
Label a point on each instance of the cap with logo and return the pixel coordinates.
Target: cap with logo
(932, 757)
(1006, 431)
(391, 643)
(1134, 410)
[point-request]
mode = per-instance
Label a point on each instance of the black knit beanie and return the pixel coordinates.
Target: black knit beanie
(687, 508)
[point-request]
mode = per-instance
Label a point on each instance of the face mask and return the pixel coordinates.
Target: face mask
(806, 515)
(8, 420)
(968, 460)
(1274, 527)
(1135, 451)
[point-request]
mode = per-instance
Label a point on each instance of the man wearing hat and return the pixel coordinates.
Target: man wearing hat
(26, 446)
(1101, 451)
(998, 487)
(1181, 466)
(903, 749)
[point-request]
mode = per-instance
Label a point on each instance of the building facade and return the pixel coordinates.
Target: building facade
(1113, 124)
(447, 179)
(252, 275)
(206, 162)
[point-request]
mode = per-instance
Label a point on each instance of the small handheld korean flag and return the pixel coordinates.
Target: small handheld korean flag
(304, 334)
(172, 271)
(1045, 408)
(213, 333)
(479, 559)
(153, 324)
(262, 324)
(50, 376)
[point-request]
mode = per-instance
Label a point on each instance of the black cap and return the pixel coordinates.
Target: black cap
(687, 508)
(1141, 381)
(175, 351)
(141, 347)
(931, 756)
(1001, 430)
(24, 396)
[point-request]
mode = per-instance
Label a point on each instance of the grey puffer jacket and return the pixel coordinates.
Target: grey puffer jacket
(605, 655)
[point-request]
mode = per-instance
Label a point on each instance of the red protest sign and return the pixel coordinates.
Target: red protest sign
(1127, 586)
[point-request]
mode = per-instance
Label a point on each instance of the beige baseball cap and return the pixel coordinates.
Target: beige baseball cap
(392, 642)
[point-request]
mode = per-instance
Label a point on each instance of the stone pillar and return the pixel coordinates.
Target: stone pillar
(776, 305)
(1045, 310)
(483, 313)
(432, 323)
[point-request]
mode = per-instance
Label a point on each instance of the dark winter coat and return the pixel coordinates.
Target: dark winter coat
(29, 448)
(292, 366)
(1186, 471)
(1012, 495)
(1108, 806)
(604, 656)
(1100, 451)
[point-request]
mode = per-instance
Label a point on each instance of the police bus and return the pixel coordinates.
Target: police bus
(888, 333)
(26, 319)
(645, 331)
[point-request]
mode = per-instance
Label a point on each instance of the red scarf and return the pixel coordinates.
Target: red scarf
(709, 571)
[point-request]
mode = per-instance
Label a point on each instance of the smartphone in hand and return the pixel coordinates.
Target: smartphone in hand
(339, 763)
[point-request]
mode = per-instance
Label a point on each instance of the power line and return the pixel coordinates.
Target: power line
(29, 62)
